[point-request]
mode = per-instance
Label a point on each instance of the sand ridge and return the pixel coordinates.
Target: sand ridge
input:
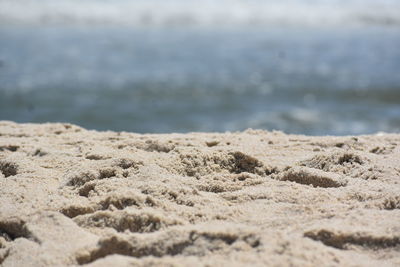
(69, 196)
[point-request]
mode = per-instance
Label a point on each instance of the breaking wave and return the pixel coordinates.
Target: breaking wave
(201, 13)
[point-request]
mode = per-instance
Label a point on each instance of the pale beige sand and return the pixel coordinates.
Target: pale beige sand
(69, 196)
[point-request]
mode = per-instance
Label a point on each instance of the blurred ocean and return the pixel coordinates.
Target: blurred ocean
(308, 66)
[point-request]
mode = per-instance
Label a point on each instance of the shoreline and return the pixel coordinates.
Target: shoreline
(69, 196)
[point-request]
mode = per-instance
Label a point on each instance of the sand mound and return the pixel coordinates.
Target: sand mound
(69, 196)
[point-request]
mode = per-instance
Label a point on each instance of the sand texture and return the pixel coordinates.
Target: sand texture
(69, 196)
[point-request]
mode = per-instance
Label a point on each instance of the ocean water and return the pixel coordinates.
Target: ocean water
(309, 67)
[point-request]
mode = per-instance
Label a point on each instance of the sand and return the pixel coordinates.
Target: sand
(69, 196)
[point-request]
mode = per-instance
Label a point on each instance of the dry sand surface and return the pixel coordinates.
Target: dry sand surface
(69, 196)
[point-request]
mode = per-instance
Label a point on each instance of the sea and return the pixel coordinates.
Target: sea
(315, 67)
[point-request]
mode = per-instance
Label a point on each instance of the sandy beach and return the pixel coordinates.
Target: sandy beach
(70, 196)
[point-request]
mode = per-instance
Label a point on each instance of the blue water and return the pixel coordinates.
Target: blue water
(308, 80)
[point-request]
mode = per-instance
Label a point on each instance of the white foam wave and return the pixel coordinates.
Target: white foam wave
(196, 12)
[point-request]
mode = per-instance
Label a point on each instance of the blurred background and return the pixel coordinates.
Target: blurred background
(307, 66)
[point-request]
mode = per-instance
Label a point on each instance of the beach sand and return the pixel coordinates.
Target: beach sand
(69, 196)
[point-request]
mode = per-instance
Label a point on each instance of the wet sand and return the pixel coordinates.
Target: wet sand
(69, 196)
